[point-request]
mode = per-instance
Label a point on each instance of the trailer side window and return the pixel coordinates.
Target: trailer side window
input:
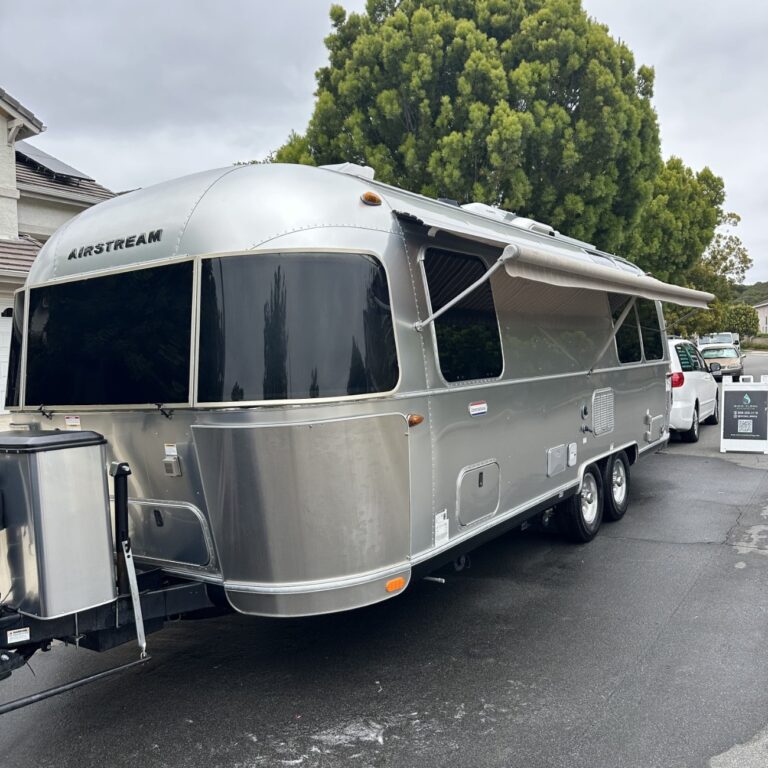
(628, 336)
(294, 326)
(653, 343)
(468, 342)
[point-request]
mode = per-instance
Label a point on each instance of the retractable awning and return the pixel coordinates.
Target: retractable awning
(568, 272)
(531, 256)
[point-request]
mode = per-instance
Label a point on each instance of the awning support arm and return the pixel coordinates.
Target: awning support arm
(508, 254)
(616, 329)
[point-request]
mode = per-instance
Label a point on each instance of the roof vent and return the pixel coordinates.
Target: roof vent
(490, 211)
(352, 169)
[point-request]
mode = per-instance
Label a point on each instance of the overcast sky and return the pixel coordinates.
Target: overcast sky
(138, 91)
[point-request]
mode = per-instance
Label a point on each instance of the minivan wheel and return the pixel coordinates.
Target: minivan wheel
(692, 435)
(715, 417)
(616, 486)
(582, 514)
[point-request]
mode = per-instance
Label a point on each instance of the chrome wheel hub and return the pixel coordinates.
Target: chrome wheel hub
(619, 483)
(589, 499)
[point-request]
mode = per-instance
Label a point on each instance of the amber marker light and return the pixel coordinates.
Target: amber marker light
(393, 585)
(414, 419)
(370, 198)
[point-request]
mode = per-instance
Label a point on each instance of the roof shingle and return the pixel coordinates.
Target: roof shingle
(18, 255)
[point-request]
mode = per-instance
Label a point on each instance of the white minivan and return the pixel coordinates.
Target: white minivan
(695, 396)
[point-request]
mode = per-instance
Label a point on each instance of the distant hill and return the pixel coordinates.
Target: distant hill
(752, 294)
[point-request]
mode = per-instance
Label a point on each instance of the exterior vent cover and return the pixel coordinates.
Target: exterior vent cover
(602, 411)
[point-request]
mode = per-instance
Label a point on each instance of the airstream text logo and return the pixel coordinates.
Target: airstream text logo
(145, 238)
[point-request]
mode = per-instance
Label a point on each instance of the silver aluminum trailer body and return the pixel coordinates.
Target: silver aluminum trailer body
(307, 504)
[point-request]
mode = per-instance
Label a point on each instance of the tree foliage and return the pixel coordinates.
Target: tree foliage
(741, 319)
(678, 222)
(525, 104)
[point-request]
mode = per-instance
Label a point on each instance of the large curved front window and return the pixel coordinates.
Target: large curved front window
(294, 326)
(120, 339)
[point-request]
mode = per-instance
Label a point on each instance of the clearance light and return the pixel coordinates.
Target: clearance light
(414, 419)
(370, 198)
(677, 380)
(393, 585)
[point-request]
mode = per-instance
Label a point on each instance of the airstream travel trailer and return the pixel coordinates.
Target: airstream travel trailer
(309, 386)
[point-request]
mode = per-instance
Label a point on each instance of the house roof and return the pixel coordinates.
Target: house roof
(761, 304)
(32, 175)
(17, 255)
(32, 125)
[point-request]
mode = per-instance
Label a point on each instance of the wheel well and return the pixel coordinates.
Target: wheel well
(630, 450)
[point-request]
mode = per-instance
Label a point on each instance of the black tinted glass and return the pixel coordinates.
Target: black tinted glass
(115, 340)
(468, 342)
(653, 342)
(13, 386)
(628, 337)
(294, 326)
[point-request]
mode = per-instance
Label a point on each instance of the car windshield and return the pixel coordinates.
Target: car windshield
(722, 337)
(717, 352)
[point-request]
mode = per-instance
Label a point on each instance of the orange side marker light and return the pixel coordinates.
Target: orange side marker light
(394, 585)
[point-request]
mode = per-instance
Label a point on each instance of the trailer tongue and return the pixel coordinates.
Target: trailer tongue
(60, 580)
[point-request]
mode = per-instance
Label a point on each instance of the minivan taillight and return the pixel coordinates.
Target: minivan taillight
(677, 380)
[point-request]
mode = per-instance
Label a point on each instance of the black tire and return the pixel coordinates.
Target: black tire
(582, 514)
(715, 417)
(692, 435)
(616, 486)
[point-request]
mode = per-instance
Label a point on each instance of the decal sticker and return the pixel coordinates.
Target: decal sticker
(72, 423)
(441, 528)
(478, 409)
(18, 635)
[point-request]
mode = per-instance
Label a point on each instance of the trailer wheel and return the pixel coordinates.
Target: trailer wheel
(582, 514)
(616, 486)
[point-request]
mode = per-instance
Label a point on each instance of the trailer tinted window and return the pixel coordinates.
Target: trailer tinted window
(294, 326)
(653, 342)
(628, 336)
(468, 343)
(14, 361)
(115, 340)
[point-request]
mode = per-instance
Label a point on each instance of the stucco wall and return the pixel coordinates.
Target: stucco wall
(41, 218)
(762, 314)
(9, 224)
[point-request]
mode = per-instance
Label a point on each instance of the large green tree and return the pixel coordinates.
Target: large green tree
(678, 223)
(525, 104)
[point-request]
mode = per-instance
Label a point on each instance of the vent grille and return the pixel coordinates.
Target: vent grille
(602, 411)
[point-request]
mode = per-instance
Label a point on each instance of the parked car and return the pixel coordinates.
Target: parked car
(694, 390)
(728, 356)
(722, 337)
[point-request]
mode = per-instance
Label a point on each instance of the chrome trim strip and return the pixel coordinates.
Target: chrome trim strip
(322, 585)
(23, 362)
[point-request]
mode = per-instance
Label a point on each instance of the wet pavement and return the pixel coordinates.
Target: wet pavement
(643, 649)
